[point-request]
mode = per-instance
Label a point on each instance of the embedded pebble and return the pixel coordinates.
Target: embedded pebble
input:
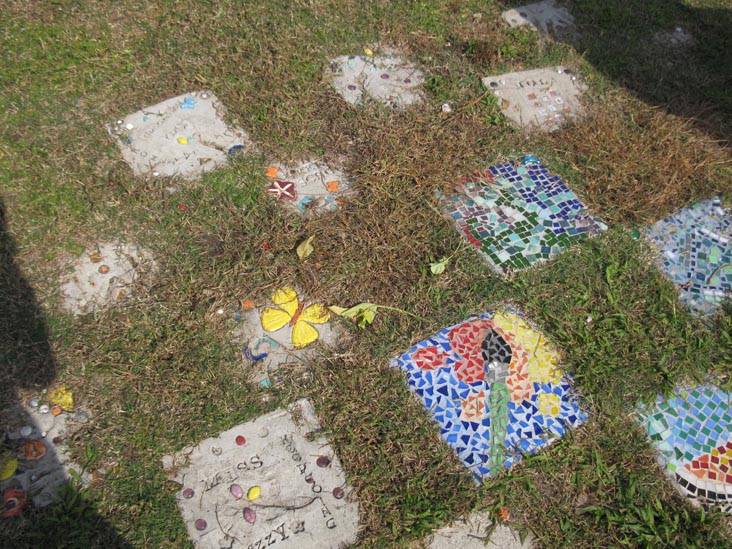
(249, 515)
(338, 492)
(323, 461)
(200, 524)
(26, 431)
(237, 491)
(188, 493)
(240, 440)
(33, 402)
(254, 493)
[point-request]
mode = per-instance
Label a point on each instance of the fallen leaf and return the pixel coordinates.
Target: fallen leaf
(438, 267)
(305, 248)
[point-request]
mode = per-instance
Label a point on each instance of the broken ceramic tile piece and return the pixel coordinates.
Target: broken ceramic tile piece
(184, 136)
(545, 17)
(541, 99)
(310, 187)
(518, 214)
(692, 432)
(87, 289)
(289, 501)
(493, 385)
(283, 335)
(384, 77)
(695, 253)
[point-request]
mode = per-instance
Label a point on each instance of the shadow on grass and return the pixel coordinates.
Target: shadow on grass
(27, 361)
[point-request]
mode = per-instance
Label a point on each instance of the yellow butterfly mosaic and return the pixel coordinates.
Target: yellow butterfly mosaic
(291, 312)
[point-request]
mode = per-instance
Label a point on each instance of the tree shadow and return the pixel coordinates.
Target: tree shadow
(668, 53)
(27, 361)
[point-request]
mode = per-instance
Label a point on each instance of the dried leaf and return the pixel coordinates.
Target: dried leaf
(305, 248)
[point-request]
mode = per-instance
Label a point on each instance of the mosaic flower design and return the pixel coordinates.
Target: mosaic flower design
(696, 254)
(692, 431)
(520, 214)
(493, 386)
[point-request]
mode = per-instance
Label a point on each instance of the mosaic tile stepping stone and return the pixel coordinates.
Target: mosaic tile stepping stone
(385, 78)
(518, 214)
(492, 384)
(696, 253)
(541, 99)
(283, 335)
(474, 532)
(39, 446)
(184, 136)
(692, 432)
(274, 480)
(104, 275)
(545, 17)
(310, 187)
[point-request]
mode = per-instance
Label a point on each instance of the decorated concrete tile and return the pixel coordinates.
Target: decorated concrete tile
(696, 253)
(541, 99)
(283, 334)
(692, 432)
(546, 17)
(274, 480)
(184, 137)
(493, 386)
(383, 77)
(104, 275)
(518, 213)
(310, 187)
(35, 460)
(478, 531)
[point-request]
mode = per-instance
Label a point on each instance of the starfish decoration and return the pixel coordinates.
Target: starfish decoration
(283, 190)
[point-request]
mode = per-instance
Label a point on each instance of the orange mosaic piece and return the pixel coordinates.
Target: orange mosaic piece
(272, 171)
(332, 186)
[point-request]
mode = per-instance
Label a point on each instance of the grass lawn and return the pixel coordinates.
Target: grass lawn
(162, 371)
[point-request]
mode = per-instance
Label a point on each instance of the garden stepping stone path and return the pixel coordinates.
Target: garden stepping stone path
(541, 99)
(384, 77)
(271, 481)
(545, 17)
(493, 385)
(283, 335)
(104, 275)
(518, 213)
(184, 137)
(696, 254)
(692, 432)
(474, 532)
(310, 187)
(40, 448)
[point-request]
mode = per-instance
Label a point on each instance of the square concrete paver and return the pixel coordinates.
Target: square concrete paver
(272, 481)
(545, 17)
(384, 77)
(493, 385)
(692, 432)
(283, 335)
(474, 532)
(695, 253)
(184, 137)
(518, 214)
(541, 99)
(309, 188)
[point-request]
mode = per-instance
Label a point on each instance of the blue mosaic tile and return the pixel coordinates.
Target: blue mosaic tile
(518, 214)
(695, 253)
(493, 386)
(692, 432)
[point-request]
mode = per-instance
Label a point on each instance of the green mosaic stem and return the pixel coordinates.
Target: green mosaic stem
(498, 411)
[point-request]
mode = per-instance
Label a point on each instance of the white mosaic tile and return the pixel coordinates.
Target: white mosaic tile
(540, 99)
(272, 481)
(184, 136)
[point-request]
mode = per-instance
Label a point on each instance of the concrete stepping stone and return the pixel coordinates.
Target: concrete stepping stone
(283, 335)
(474, 532)
(696, 253)
(540, 99)
(544, 17)
(384, 77)
(310, 187)
(184, 137)
(517, 214)
(493, 386)
(274, 480)
(39, 446)
(692, 432)
(678, 38)
(104, 275)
